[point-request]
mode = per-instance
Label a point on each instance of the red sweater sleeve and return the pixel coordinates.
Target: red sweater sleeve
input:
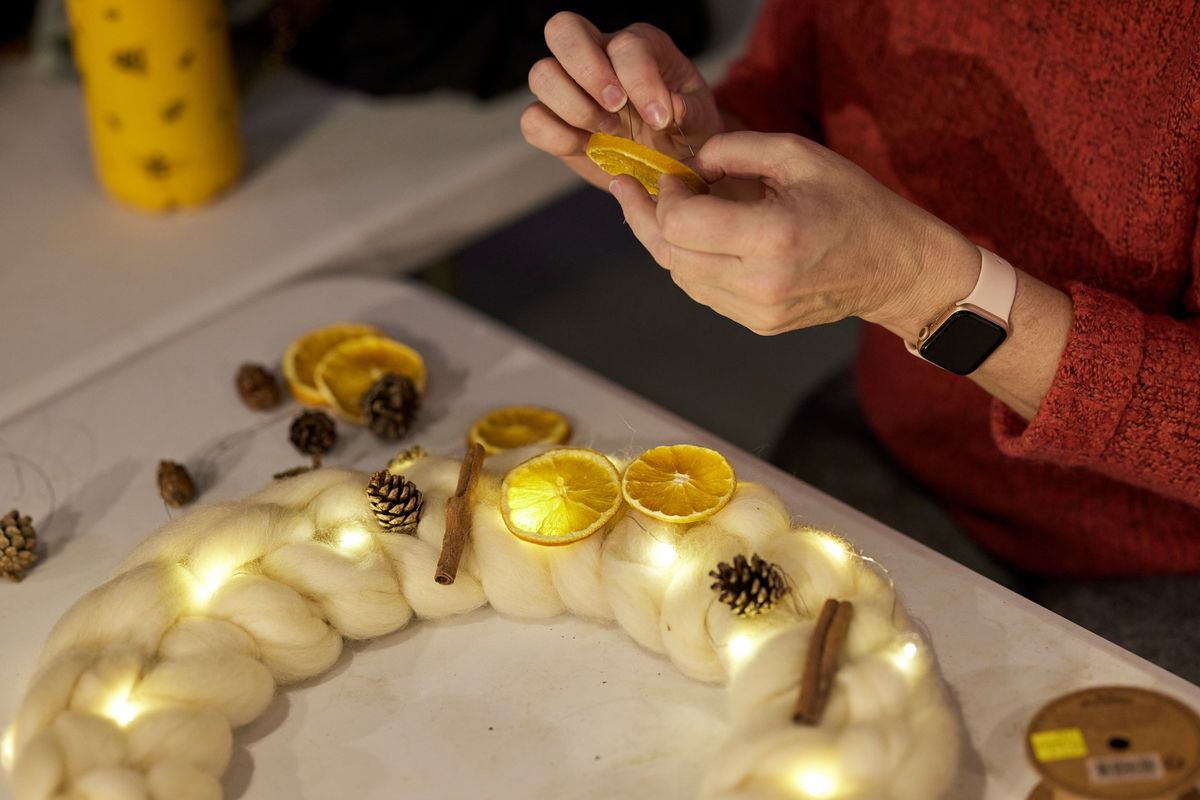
(773, 85)
(1125, 401)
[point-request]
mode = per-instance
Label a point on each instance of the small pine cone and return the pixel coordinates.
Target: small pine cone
(18, 546)
(175, 484)
(314, 433)
(750, 587)
(405, 459)
(396, 502)
(257, 387)
(390, 406)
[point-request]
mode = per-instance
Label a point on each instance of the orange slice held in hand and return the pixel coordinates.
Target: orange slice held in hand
(619, 156)
(302, 356)
(560, 496)
(510, 427)
(680, 483)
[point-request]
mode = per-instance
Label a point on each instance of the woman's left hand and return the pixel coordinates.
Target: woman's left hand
(823, 241)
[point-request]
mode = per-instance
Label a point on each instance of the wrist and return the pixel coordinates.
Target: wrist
(935, 271)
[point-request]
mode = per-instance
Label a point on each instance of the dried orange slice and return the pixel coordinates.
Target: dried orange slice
(560, 496)
(619, 156)
(302, 356)
(679, 483)
(345, 373)
(510, 427)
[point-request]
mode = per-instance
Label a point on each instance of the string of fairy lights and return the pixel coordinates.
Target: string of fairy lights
(814, 778)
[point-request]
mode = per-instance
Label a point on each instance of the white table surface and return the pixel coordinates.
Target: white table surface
(333, 176)
(88, 282)
(565, 709)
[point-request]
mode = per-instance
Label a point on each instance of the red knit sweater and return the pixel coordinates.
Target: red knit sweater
(1066, 138)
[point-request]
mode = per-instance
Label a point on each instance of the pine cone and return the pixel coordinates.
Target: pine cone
(175, 484)
(390, 406)
(314, 434)
(257, 387)
(749, 588)
(18, 546)
(405, 459)
(396, 502)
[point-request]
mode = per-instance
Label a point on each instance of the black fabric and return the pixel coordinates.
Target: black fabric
(15, 18)
(385, 47)
(828, 444)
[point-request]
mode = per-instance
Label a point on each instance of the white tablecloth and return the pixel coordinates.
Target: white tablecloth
(482, 706)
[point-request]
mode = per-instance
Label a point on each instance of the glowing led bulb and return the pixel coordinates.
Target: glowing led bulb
(121, 710)
(835, 547)
(8, 748)
(353, 539)
(211, 580)
(905, 656)
(740, 647)
(816, 782)
(663, 554)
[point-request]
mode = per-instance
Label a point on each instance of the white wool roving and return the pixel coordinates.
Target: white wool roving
(143, 680)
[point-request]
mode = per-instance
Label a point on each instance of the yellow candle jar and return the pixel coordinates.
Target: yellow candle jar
(160, 96)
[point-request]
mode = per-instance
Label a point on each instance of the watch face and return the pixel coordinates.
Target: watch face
(963, 342)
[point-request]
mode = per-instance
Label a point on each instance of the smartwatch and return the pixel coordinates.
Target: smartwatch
(963, 337)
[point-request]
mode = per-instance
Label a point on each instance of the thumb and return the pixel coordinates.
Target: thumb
(773, 157)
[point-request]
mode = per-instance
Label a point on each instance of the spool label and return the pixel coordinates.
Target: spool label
(1058, 744)
(1104, 770)
(1115, 743)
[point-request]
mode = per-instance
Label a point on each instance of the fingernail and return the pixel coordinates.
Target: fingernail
(612, 96)
(611, 124)
(615, 188)
(656, 115)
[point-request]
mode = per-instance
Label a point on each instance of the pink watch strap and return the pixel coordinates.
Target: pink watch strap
(996, 288)
(994, 291)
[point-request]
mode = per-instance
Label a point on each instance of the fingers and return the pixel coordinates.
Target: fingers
(640, 214)
(730, 305)
(637, 65)
(550, 83)
(707, 223)
(717, 299)
(544, 130)
(776, 157)
(579, 47)
(726, 284)
(694, 113)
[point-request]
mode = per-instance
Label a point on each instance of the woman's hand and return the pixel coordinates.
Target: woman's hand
(592, 76)
(823, 241)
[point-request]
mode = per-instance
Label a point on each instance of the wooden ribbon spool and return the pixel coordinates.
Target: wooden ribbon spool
(1115, 743)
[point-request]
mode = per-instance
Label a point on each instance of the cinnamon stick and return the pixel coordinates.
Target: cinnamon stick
(458, 517)
(821, 662)
(810, 680)
(833, 650)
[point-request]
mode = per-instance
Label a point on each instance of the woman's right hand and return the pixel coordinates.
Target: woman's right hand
(591, 78)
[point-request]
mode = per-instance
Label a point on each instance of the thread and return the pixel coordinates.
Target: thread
(17, 497)
(143, 680)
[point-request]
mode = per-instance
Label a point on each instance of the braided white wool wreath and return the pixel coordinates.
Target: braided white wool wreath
(143, 679)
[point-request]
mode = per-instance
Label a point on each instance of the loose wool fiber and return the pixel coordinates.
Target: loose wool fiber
(143, 680)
